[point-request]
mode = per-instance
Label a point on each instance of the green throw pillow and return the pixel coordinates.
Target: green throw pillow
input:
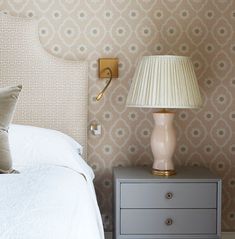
(8, 99)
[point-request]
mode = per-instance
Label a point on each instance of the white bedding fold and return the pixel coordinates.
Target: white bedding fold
(49, 202)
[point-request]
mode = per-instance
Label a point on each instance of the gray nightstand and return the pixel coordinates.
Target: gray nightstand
(184, 206)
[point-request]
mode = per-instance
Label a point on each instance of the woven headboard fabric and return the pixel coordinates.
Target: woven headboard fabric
(55, 91)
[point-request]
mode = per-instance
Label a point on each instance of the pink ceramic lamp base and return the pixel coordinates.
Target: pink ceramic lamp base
(163, 142)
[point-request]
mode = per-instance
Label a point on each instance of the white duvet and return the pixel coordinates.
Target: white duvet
(48, 202)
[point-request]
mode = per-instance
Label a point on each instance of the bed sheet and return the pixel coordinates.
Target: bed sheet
(49, 202)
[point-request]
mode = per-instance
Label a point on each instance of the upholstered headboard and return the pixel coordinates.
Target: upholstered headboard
(54, 91)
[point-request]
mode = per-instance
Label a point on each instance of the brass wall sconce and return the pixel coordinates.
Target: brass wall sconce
(108, 68)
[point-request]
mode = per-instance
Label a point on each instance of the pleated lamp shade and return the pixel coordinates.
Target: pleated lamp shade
(164, 82)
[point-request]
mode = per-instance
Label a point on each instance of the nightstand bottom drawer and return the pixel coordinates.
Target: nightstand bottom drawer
(165, 221)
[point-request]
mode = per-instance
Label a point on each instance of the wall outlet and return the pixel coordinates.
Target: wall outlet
(95, 128)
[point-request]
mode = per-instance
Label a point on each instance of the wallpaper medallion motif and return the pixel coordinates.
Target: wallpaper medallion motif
(201, 29)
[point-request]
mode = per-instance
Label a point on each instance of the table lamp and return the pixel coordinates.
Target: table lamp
(164, 81)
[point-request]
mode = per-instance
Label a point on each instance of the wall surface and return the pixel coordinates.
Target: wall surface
(129, 29)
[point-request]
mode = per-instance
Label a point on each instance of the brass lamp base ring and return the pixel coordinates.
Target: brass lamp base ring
(158, 172)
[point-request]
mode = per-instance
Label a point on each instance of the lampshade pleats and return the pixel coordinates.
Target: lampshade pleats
(164, 82)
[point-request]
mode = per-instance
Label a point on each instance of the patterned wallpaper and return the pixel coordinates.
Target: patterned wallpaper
(202, 29)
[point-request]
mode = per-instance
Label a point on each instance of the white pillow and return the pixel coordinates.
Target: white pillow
(31, 146)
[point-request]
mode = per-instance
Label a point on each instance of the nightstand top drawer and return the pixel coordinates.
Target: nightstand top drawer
(167, 222)
(168, 195)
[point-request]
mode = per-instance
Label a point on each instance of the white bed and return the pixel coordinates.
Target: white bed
(49, 202)
(53, 196)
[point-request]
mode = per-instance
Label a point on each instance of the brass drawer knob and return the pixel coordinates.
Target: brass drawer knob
(169, 221)
(169, 195)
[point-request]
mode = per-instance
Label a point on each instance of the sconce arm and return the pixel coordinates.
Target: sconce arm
(100, 95)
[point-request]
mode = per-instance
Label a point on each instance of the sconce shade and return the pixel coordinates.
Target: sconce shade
(164, 81)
